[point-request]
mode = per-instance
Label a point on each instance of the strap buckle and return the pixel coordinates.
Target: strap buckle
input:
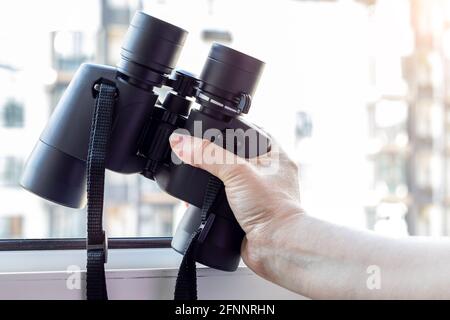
(103, 246)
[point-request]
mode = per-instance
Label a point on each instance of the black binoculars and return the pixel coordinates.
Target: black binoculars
(139, 140)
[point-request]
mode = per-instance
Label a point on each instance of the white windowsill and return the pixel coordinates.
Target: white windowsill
(131, 274)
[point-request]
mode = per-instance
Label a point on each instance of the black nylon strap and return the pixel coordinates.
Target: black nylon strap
(212, 190)
(95, 276)
(96, 239)
(186, 284)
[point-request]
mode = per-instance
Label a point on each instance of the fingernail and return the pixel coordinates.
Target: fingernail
(175, 138)
(176, 142)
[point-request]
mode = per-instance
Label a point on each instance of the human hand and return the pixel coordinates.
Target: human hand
(263, 192)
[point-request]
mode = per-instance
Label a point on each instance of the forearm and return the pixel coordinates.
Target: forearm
(322, 260)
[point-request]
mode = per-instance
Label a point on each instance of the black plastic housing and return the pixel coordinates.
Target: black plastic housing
(56, 169)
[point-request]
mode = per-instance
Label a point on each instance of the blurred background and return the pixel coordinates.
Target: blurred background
(357, 92)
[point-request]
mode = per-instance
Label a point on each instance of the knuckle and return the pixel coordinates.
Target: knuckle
(200, 146)
(205, 145)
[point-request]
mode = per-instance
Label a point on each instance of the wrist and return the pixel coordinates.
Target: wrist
(263, 240)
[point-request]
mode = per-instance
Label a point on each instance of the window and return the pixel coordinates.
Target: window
(70, 49)
(355, 91)
(11, 226)
(303, 126)
(13, 114)
(10, 171)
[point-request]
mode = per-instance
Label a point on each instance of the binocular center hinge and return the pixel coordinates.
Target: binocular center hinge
(183, 83)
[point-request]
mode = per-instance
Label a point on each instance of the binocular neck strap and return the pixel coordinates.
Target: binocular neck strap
(186, 284)
(96, 244)
(97, 249)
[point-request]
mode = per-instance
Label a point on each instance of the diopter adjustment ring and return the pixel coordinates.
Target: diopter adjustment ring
(240, 104)
(243, 103)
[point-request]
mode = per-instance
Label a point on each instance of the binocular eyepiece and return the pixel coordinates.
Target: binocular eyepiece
(150, 50)
(138, 143)
(228, 80)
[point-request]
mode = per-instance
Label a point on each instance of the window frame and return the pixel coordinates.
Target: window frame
(80, 243)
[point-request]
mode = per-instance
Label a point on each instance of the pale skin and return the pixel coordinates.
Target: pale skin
(314, 258)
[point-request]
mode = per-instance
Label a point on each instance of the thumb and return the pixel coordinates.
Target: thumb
(204, 154)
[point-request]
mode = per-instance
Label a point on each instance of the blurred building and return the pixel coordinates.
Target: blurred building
(389, 199)
(12, 119)
(408, 126)
(426, 71)
(17, 114)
